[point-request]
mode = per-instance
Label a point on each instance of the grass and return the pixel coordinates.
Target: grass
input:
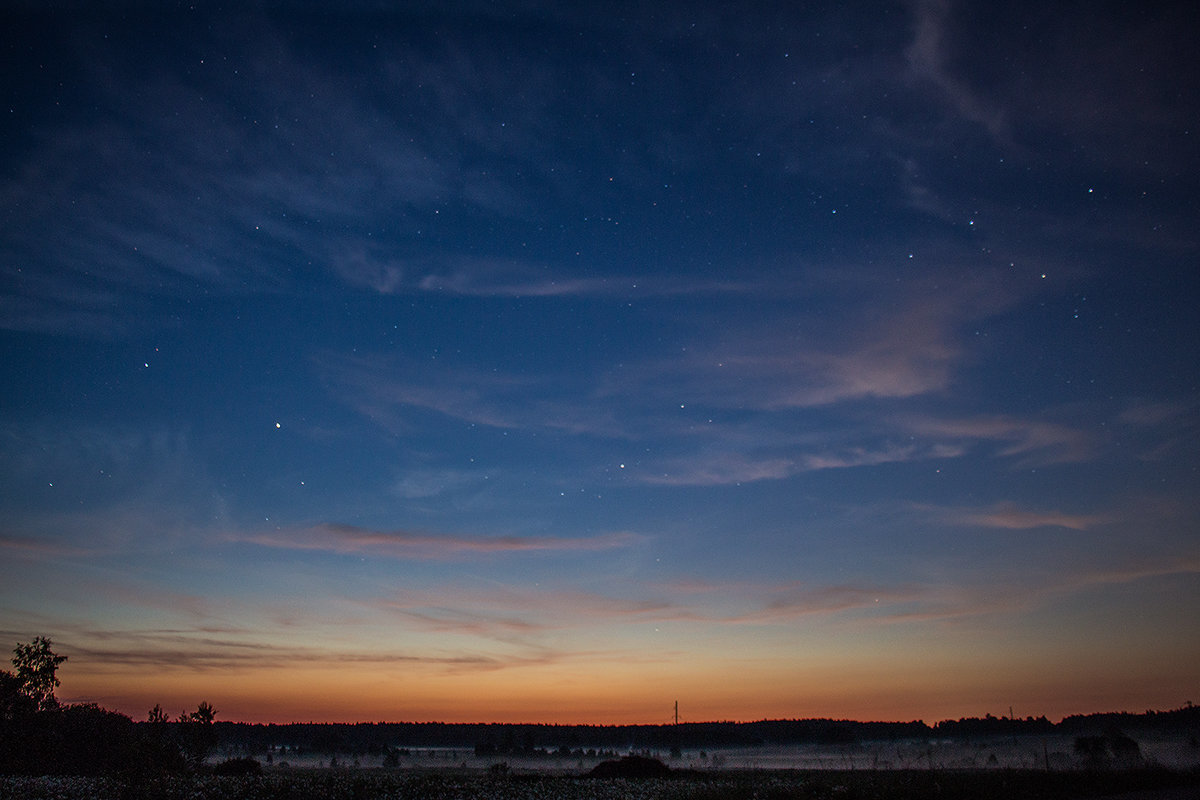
(375, 784)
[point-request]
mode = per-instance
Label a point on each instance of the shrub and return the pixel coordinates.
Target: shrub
(238, 767)
(631, 767)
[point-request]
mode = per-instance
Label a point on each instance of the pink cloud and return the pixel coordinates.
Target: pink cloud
(1008, 516)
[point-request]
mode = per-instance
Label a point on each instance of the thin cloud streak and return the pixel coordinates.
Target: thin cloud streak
(1010, 517)
(1029, 442)
(187, 650)
(731, 468)
(1014, 597)
(30, 547)
(388, 389)
(532, 613)
(511, 278)
(348, 539)
(805, 601)
(552, 607)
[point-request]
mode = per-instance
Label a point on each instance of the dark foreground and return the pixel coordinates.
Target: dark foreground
(764, 785)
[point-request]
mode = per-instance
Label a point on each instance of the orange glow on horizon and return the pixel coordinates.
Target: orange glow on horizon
(603, 696)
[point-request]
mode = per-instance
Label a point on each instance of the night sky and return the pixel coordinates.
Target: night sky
(510, 363)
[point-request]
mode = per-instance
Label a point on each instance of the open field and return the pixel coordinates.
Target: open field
(373, 784)
(1056, 751)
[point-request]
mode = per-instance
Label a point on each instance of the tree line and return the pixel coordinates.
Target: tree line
(518, 739)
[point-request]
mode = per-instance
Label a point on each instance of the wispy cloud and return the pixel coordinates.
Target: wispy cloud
(903, 342)
(1017, 596)
(1142, 569)
(714, 467)
(337, 538)
(425, 483)
(29, 547)
(722, 408)
(530, 621)
(524, 614)
(1076, 82)
(930, 58)
(1150, 413)
(1012, 517)
(857, 456)
(695, 601)
(1027, 441)
(152, 202)
(953, 600)
(497, 277)
(219, 650)
(389, 390)
(383, 388)
(709, 470)
(803, 600)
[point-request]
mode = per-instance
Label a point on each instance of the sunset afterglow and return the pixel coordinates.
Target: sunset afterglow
(537, 365)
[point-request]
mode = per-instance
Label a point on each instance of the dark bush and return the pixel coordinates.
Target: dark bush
(82, 740)
(631, 767)
(1114, 748)
(238, 767)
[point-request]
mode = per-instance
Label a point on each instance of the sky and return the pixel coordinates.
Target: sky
(506, 362)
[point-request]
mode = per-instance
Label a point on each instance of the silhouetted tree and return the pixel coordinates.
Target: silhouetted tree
(199, 736)
(26, 700)
(14, 703)
(36, 667)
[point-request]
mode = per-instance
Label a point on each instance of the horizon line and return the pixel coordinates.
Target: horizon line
(670, 724)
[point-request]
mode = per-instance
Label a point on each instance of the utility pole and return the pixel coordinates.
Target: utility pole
(676, 752)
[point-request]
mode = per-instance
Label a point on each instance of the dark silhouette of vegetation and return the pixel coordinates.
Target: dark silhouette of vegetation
(1113, 749)
(632, 766)
(40, 736)
(196, 734)
(552, 741)
(971, 727)
(36, 672)
(238, 767)
(507, 741)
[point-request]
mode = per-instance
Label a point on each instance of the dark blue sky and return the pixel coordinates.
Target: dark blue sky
(802, 361)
